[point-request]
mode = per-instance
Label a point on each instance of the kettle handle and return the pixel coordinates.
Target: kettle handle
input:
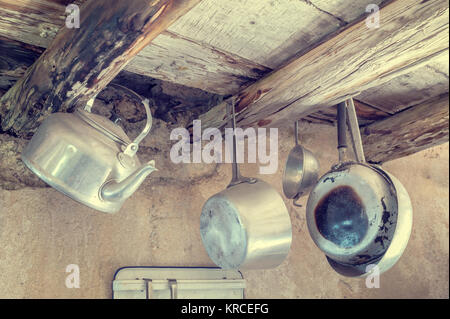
(133, 147)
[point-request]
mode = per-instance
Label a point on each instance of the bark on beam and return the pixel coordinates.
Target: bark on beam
(410, 33)
(410, 131)
(81, 62)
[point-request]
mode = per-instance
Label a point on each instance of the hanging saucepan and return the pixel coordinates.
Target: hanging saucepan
(300, 172)
(247, 225)
(358, 214)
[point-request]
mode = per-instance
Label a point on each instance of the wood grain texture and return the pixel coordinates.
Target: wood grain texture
(33, 22)
(411, 88)
(174, 58)
(415, 129)
(411, 33)
(345, 10)
(266, 32)
(81, 62)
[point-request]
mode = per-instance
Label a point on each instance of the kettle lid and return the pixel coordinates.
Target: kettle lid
(105, 126)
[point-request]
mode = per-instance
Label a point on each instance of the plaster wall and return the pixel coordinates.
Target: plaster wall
(43, 231)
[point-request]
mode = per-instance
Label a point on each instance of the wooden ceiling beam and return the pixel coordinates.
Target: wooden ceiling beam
(410, 34)
(79, 63)
(407, 132)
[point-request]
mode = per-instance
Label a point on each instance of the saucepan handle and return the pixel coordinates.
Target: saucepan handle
(133, 147)
(296, 133)
(237, 178)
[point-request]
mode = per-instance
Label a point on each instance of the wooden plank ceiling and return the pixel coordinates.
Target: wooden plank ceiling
(220, 46)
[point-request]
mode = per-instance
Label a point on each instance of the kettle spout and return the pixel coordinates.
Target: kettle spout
(119, 191)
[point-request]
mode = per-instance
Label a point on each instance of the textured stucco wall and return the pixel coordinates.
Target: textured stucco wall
(42, 231)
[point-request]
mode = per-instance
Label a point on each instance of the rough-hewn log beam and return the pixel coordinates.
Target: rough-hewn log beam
(410, 33)
(410, 131)
(81, 62)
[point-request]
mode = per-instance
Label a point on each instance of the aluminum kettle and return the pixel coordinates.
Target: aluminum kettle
(88, 157)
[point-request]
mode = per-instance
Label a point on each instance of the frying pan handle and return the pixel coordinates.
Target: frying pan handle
(342, 127)
(346, 111)
(354, 131)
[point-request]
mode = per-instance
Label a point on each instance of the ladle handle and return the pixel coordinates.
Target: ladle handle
(342, 128)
